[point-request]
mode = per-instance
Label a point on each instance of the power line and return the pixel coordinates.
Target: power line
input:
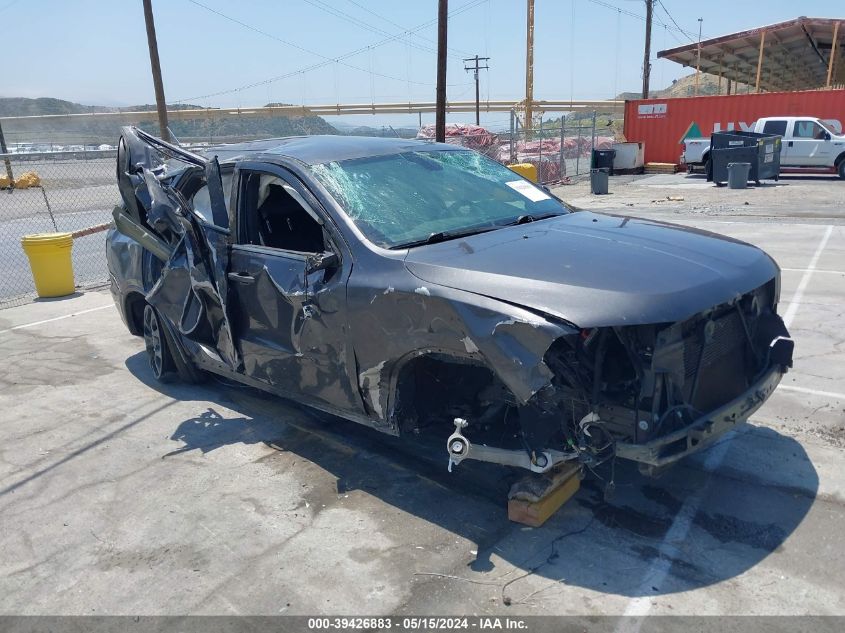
(642, 18)
(328, 60)
(378, 15)
(282, 41)
(349, 18)
(666, 11)
(9, 6)
(399, 26)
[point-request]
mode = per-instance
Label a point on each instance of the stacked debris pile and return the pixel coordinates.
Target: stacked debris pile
(470, 136)
(545, 154)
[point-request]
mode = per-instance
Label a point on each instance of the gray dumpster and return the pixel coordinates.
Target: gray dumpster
(598, 180)
(738, 175)
(761, 150)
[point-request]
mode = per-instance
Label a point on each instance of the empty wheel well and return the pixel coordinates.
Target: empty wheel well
(433, 390)
(134, 310)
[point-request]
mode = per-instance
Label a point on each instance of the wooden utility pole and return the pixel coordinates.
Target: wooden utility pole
(440, 107)
(161, 105)
(529, 70)
(475, 68)
(721, 60)
(760, 60)
(649, 12)
(698, 57)
(832, 53)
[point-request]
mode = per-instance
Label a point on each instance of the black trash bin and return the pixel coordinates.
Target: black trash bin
(722, 157)
(603, 159)
(761, 150)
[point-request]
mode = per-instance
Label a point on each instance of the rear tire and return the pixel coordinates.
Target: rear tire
(842, 169)
(158, 350)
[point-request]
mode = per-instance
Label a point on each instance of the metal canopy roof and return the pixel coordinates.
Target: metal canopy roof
(800, 54)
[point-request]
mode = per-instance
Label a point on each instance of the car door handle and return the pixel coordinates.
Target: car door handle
(241, 278)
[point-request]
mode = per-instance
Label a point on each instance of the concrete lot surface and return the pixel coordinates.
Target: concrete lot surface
(119, 495)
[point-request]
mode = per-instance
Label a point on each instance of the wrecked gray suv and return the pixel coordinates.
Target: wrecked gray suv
(423, 289)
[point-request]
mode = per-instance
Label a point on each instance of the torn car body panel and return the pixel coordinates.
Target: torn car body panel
(454, 324)
(192, 289)
(291, 326)
(409, 286)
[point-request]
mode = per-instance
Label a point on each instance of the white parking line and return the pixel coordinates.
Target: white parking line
(789, 315)
(677, 532)
(813, 392)
(668, 548)
(59, 318)
(817, 270)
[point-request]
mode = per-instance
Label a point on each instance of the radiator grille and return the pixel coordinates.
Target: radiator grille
(723, 373)
(728, 337)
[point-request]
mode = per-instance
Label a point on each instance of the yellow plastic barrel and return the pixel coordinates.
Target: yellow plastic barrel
(50, 260)
(526, 170)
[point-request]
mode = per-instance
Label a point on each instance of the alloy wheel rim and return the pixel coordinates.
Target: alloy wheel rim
(152, 340)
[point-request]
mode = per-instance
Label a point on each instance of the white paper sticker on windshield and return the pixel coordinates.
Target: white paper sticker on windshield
(528, 190)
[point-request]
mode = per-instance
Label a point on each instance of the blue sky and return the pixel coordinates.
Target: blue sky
(95, 51)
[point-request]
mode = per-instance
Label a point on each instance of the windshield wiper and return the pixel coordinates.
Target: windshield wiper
(525, 219)
(444, 236)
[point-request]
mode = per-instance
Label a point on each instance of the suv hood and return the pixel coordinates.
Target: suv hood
(598, 270)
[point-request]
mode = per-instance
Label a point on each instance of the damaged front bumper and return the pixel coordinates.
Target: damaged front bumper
(674, 446)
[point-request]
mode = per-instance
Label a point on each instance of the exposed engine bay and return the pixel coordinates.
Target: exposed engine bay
(650, 393)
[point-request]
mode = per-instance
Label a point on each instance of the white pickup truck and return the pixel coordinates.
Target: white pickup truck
(808, 143)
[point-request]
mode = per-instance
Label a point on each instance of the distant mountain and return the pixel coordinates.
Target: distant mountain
(384, 130)
(99, 131)
(685, 87)
(21, 106)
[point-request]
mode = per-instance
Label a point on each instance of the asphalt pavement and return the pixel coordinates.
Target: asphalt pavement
(120, 495)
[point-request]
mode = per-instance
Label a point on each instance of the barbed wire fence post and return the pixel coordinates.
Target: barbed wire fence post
(561, 160)
(4, 151)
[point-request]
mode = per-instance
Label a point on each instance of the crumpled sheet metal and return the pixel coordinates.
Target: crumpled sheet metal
(191, 291)
(404, 323)
(188, 294)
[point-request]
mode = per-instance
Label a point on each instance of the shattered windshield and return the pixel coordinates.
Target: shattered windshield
(410, 198)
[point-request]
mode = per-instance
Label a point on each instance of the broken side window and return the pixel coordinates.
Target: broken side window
(274, 215)
(201, 200)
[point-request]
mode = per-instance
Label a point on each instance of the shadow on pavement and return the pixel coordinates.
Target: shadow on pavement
(719, 524)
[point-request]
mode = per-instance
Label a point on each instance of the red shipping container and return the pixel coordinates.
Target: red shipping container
(662, 124)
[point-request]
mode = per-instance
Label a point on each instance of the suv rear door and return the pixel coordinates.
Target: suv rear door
(191, 292)
(289, 267)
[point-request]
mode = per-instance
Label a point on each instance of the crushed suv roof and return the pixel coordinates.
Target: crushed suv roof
(315, 150)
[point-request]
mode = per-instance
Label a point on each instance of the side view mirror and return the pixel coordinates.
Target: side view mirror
(827, 136)
(320, 261)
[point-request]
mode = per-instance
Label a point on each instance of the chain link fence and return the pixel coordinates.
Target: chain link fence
(77, 190)
(560, 148)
